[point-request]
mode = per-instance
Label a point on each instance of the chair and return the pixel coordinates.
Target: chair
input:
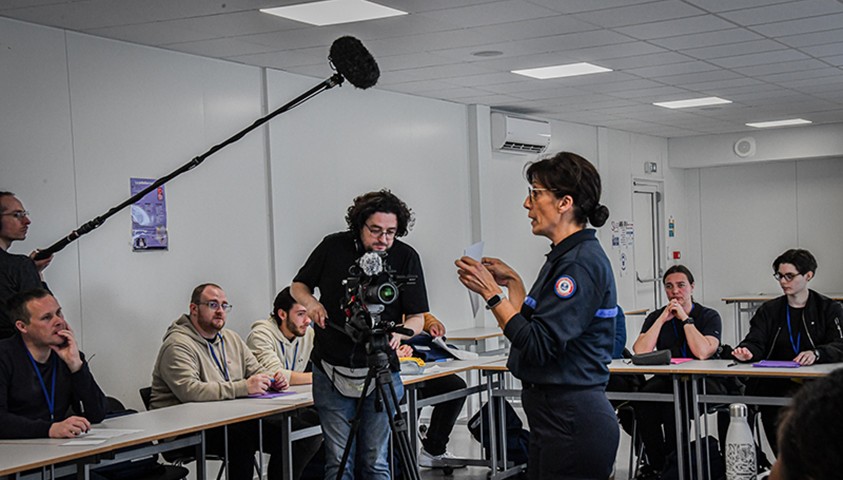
(184, 456)
(636, 446)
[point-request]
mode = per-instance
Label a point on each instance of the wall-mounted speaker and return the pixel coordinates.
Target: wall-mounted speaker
(745, 147)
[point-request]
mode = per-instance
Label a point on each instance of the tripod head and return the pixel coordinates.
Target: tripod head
(370, 287)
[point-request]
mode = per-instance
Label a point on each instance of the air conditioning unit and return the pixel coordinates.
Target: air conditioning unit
(519, 135)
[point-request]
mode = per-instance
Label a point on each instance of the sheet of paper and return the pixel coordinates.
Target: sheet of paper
(295, 397)
(78, 442)
(104, 433)
(459, 354)
(475, 251)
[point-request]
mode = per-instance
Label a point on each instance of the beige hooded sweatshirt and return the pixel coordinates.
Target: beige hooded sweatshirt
(186, 370)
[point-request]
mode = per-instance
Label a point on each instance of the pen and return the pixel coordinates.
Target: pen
(731, 364)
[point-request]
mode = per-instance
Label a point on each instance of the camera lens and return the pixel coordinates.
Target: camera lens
(386, 293)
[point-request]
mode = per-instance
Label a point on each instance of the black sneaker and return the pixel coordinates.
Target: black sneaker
(647, 472)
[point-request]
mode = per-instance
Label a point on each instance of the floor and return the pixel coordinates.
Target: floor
(463, 445)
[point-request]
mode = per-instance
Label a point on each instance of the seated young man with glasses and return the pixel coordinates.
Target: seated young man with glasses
(202, 361)
(801, 325)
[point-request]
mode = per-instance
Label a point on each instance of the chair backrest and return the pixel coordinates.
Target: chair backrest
(146, 396)
(115, 408)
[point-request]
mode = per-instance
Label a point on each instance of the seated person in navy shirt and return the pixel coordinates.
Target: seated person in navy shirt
(688, 330)
(43, 375)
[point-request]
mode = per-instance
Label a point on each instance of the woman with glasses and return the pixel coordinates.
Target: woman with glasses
(801, 325)
(562, 332)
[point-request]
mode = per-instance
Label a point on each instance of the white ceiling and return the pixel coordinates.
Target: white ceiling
(774, 59)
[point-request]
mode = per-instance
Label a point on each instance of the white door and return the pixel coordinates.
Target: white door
(647, 247)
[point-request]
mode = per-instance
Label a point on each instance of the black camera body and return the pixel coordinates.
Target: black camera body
(371, 286)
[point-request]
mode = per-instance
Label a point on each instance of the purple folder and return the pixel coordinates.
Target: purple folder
(271, 394)
(776, 364)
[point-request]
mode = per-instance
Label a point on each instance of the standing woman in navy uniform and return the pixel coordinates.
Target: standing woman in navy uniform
(562, 331)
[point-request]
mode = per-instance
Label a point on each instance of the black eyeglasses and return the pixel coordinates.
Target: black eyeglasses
(786, 276)
(377, 232)
(215, 305)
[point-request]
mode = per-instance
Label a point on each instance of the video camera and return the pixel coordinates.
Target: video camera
(371, 286)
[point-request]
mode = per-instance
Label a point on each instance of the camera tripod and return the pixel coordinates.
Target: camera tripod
(385, 397)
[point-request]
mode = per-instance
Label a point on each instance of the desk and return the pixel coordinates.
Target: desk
(190, 419)
(412, 382)
(698, 370)
(749, 303)
(475, 338)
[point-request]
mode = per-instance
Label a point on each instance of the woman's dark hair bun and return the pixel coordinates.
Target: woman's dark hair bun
(599, 215)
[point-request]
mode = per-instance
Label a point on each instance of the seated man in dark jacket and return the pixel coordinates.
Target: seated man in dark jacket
(801, 325)
(43, 374)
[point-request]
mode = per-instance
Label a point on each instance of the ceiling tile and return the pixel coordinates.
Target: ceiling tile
(698, 40)
(643, 13)
(672, 28)
(783, 11)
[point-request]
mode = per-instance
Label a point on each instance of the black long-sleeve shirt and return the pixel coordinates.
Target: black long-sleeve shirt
(24, 412)
(17, 274)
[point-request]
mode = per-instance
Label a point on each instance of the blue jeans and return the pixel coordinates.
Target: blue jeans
(369, 450)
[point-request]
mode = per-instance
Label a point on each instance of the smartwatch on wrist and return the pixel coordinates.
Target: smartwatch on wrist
(688, 321)
(493, 302)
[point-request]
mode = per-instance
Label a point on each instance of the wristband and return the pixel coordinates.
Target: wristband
(493, 302)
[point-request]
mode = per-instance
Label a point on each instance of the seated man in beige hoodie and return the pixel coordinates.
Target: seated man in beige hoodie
(282, 343)
(202, 361)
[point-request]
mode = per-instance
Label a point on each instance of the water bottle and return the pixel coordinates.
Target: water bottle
(740, 446)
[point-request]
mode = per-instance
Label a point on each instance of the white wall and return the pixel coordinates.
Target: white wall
(88, 114)
(749, 214)
(346, 142)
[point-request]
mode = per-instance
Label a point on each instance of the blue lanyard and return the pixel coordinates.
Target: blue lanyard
(224, 367)
(284, 352)
(51, 396)
(794, 345)
(685, 341)
(684, 346)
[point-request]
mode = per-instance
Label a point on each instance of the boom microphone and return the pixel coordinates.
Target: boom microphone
(351, 60)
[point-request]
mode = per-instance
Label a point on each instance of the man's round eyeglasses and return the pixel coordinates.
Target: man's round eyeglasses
(786, 276)
(20, 214)
(215, 305)
(378, 231)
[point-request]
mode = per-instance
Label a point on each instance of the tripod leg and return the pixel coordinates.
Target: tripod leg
(355, 425)
(398, 426)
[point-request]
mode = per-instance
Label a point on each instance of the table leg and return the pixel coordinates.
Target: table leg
(696, 410)
(678, 393)
(201, 468)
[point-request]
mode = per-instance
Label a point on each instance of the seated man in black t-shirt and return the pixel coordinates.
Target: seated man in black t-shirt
(688, 330)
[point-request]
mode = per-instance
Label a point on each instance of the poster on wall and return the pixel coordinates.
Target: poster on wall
(149, 217)
(623, 238)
